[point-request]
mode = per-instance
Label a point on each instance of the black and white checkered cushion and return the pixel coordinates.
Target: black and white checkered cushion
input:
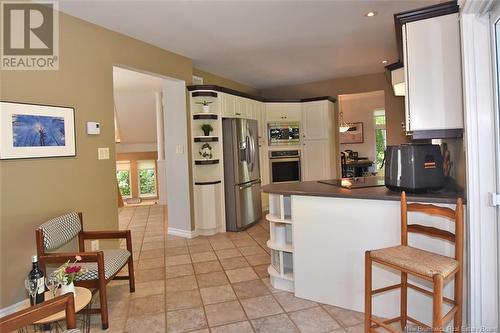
(60, 230)
(113, 261)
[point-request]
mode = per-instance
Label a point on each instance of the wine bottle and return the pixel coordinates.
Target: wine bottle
(37, 275)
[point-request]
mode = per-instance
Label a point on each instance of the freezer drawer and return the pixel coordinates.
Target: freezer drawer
(247, 207)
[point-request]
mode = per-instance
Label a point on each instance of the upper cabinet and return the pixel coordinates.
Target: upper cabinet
(433, 74)
(316, 124)
(280, 112)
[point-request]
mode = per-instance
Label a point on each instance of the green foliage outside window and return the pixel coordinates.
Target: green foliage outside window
(147, 181)
(123, 177)
(380, 141)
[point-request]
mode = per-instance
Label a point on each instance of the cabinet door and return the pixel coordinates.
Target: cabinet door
(264, 164)
(315, 160)
(433, 74)
(283, 112)
(261, 118)
(316, 123)
(228, 106)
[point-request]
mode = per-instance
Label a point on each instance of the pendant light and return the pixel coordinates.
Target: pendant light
(343, 126)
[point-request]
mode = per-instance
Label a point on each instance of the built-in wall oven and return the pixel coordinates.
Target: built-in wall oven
(284, 166)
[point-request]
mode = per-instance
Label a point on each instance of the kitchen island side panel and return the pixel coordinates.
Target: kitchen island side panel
(330, 237)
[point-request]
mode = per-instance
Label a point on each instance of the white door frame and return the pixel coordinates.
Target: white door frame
(480, 141)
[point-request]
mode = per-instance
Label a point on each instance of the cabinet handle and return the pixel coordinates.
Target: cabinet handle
(238, 114)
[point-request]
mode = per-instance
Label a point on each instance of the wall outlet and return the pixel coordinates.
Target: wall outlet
(103, 153)
(94, 245)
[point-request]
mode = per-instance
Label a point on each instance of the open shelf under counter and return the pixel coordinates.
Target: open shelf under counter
(287, 247)
(205, 116)
(206, 138)
(274, 273)
(276, 219)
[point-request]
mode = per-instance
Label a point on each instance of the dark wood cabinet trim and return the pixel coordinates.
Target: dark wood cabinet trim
(204, 94)
(208, 183)
(438, 134)
(214, 88)
(205, 116)
(206, 162)
(206, 139)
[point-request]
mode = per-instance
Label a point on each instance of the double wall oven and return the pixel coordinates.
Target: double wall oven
(284, 166)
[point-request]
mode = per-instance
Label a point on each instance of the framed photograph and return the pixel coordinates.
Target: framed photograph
(35, 131)
(354, 134)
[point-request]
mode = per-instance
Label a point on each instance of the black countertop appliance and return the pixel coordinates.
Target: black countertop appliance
(414, 167)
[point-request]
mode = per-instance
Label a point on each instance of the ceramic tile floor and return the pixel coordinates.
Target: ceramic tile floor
(216, 284)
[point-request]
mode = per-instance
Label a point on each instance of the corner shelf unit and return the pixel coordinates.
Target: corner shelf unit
(280, 242)
(208, 174)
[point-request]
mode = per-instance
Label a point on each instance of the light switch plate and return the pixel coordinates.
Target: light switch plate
(103, 153)
(94, 245)
(179, 149)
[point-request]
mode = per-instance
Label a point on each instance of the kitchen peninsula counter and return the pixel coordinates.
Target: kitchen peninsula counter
(447, 195)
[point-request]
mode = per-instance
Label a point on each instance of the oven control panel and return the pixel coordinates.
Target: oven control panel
(283, 153)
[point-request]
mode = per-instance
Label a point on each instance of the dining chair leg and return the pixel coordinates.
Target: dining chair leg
(437, 304)
(131, 276)
(368, 292)
(103, 299)
(404, 300)
(457, 321)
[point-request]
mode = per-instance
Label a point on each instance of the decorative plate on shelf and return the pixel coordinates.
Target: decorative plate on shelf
(206, 151)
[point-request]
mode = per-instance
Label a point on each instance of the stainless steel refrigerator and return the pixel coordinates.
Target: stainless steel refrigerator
(241, 173)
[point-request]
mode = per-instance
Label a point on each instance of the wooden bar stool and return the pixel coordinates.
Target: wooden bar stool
(429, 266)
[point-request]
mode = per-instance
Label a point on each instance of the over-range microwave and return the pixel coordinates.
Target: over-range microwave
(283, 133)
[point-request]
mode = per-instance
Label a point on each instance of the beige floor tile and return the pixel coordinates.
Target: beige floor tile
(179, 270)
(185, 320)
(203, 256)
(153, 245)
(153, 239)
(204, 330)
(183, 300)
(359, 329)
(291, 303)
(149, 254)
(313, 320)
(150, 288)
(207, 267)
(252, 288)
(275, 324)
(238, 235)
(232, 263)
(148, 323)
(261, 306)
(259, 259)
(224, 313)
(261, 270)
(146, 275)
(118, 309)
(241, 274)
(147, 305)
(178, 260)
(267, 282)
(176, 251)
(211, 279)
(198, 248)
(176, 242)
(252, 250)
(158, 263)
(218, 294)
(222, 244)
(241, 327)
(200, 240)
(345, 317)
(228, 253)
(181, 283)
(244, 242)
(118, 292)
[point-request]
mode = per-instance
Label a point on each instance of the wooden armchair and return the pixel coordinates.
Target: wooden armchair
(100, 267)
(25, 317)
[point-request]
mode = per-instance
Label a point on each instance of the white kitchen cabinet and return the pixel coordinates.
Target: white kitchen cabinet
(316, 160)
(433, 75)
(316, 124)
(283, 112)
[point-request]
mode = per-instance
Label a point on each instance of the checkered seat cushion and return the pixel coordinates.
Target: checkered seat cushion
(113, 261)
(60, 230)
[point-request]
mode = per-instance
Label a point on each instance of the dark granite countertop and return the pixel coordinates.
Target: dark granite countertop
(447, 195)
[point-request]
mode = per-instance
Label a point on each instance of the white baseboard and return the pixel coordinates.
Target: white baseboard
(12, 308)
(182, 233)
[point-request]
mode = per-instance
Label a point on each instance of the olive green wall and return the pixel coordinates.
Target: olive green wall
(394, 106)
(209, 78)
(32, 191)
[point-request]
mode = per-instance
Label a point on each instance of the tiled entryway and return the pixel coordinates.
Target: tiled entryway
(215, 284)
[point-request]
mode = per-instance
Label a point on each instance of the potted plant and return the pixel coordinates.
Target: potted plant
(206, 151)
(207, 128)
(204, 106)
(66, 275)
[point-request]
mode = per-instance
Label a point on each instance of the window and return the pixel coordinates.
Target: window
(123, 178)
(147, 178)
(380, 137)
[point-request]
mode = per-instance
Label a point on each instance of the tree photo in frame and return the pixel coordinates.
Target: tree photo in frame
(353, 135)
(35, 131)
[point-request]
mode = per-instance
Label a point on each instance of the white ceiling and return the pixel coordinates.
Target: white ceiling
(135, 105)
(261, 43)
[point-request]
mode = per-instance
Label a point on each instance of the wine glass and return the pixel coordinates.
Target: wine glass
(32, 287)
(52, 284)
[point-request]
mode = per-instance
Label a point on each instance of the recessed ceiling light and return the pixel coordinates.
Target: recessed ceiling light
(384, 61)
(371, 14)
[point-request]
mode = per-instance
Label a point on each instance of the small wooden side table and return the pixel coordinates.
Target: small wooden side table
(83, 298)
